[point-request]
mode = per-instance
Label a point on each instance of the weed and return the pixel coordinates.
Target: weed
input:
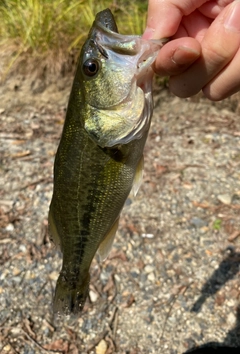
(217, 224)
(49, 28)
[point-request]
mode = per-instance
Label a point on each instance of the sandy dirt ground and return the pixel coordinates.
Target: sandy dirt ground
(171, 282)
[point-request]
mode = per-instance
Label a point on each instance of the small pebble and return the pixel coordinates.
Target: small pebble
(231, 319)
(23, 248)
(151, 277)
(198, 222)
(147, 235)
(93, 296)
(230, 303)
(224, 198)
(9, 227)
(16, 271)
(149, 268)
(204, 229)
(101, 348)
(54, 275)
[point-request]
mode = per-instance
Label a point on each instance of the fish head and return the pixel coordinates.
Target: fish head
(115, 75)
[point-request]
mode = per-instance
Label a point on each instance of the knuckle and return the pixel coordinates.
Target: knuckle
(212, 94)
(217, 54)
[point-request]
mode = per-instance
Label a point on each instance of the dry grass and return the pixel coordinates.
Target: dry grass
(48, 32)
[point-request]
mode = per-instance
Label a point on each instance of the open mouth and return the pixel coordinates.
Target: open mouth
(133, 48)
(144, 72)
(146, 58)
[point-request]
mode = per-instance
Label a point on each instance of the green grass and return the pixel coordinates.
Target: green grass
(50, 29)
(217, 224)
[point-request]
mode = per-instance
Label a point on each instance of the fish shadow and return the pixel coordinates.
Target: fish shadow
(226, 271)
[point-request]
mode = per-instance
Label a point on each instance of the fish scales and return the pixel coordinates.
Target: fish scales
(99, 152)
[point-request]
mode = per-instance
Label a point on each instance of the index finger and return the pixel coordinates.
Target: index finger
(164, 16)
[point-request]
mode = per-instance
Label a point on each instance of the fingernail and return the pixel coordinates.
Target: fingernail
(232, 21)
(184, 55)
(148, 33)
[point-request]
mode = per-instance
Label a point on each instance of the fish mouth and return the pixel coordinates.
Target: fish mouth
(105, 19)
(137, 52)
(144, 70)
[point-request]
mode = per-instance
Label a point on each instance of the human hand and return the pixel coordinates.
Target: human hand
(204, 53)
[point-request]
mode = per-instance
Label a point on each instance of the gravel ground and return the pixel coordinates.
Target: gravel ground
(171, 282)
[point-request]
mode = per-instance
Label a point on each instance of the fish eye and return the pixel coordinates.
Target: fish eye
(91, 67)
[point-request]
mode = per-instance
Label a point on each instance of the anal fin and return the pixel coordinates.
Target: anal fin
(54, 236)
(106, 245)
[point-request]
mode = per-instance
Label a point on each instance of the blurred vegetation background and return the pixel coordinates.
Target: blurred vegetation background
(49, 33)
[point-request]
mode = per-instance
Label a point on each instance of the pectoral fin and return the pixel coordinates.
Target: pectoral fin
(106, 245)
(138, 177)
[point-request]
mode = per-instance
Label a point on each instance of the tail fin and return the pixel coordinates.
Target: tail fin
(70, 298)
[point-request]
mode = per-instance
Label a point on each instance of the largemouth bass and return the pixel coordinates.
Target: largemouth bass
(99, 158)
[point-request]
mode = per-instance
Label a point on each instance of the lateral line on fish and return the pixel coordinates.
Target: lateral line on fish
(78, 195)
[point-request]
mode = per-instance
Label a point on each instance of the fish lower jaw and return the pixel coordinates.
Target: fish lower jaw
(144, 82)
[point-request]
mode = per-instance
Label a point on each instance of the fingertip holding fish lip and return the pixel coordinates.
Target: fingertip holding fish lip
(144, 70)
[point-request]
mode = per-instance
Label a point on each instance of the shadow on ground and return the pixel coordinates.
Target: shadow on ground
(226, 271)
